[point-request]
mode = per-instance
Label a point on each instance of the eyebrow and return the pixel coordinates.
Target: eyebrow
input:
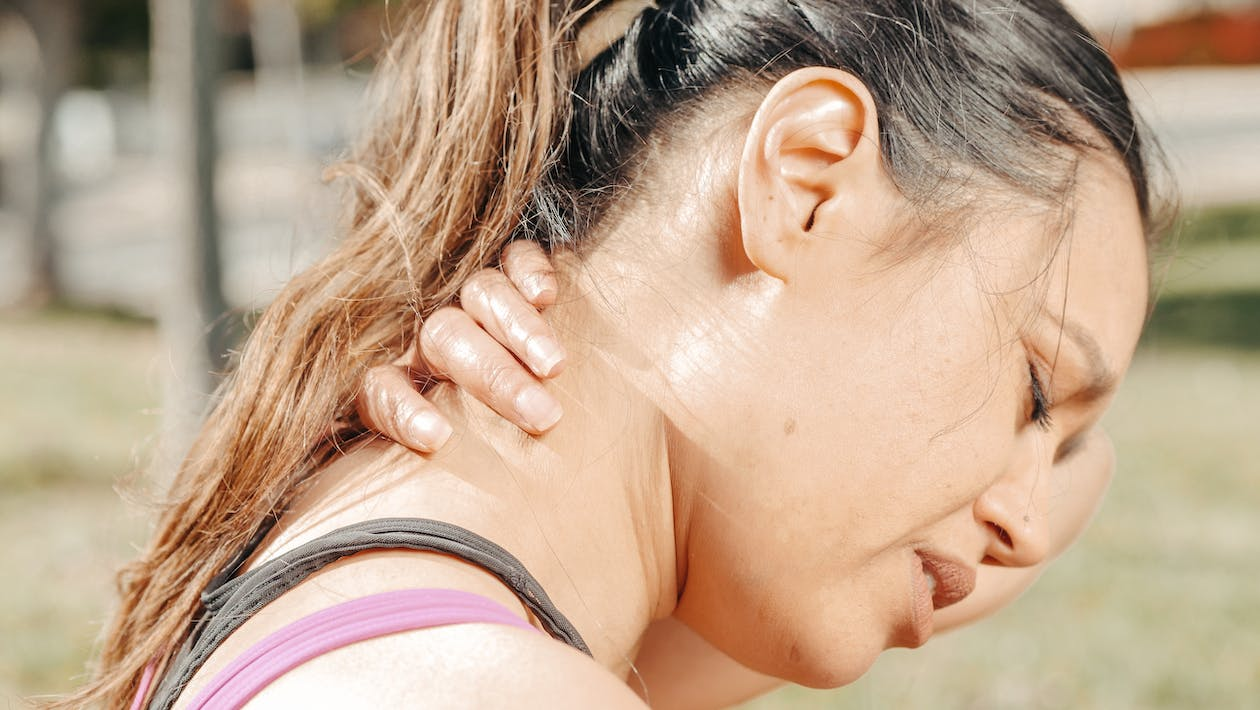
(1100, 380)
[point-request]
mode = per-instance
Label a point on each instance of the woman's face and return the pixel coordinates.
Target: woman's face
(876, 427)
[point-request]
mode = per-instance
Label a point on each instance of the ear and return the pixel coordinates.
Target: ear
(815, 131)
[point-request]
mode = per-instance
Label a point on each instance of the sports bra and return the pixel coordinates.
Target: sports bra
(231, 600)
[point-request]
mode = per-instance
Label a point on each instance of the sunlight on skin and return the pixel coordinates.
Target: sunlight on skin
(1040, 511)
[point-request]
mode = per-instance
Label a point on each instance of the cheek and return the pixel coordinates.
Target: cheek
(1080, 484)
(894, 400)
(828, 447)
(915, 391)
(838, 456)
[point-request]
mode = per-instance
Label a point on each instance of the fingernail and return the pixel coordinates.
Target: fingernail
(538, 407)
(430, 427)
(544, 354)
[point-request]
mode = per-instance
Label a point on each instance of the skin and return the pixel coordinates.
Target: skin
(773, 422)
(677, 665)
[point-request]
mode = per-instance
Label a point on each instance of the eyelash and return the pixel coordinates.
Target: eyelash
(1040, 400)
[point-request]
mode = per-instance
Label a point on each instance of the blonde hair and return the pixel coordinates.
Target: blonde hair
(471, 99)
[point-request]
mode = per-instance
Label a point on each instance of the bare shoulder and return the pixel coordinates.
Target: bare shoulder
(465, 666)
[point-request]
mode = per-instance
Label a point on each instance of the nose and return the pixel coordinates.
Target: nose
(1019, 536)
(1041, 506)
(1014, 509)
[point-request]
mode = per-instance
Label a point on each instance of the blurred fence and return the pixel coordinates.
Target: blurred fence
(113, 221)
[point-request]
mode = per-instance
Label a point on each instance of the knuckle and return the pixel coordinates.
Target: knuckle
(373, 379)
(495, 298)
(440, 331)
(372, 391)
(501, 382)
(520, 327)
(389, 400)
(440, 323)
(490, 293)
(398, 414)
(475, 286)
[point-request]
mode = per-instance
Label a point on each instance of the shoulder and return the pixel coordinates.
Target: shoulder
(464, 666)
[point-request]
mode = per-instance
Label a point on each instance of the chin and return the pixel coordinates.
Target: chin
(826, 670)
(836, 677)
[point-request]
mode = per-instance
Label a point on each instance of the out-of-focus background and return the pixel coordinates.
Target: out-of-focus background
(160, 164)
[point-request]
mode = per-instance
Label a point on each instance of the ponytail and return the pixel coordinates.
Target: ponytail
(473, 99)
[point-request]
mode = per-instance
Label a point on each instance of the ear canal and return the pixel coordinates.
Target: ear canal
(806, 129)
(820, 130)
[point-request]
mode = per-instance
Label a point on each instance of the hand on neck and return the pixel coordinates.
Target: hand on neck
(588, 508)
(593, 508)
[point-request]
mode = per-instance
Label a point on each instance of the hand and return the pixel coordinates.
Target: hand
(480, 346)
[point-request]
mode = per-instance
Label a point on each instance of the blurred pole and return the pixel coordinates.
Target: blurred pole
(19, 100)
(184, 79)
(276, 35)
(56, 27)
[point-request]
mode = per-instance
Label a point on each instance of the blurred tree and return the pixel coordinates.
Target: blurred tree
(321, 12)
(56, 26)
(115, 42)
(276, 36)
(19, 110)
(184, 73)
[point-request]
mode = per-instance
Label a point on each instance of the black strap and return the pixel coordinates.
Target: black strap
(231, 601)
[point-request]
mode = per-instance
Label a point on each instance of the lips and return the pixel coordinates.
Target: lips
(948, 581)
(937, 582)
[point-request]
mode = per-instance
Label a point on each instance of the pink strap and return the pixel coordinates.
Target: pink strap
(356, 620)
(146, 681)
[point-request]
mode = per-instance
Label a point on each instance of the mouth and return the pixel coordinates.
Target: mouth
(938, 582)
(949, 582)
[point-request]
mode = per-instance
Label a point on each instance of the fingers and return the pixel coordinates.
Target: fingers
(457, 348)
(389, 404)
(412, 360)
(529, 269)
(453, 345)
(493, 302)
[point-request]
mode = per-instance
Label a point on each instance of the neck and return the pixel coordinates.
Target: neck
(596, 507)
(588, 508)
(592, 509)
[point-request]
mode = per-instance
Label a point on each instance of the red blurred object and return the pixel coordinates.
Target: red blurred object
(1203, 38)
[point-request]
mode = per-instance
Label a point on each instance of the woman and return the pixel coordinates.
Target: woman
(477, 347)
(898, 267)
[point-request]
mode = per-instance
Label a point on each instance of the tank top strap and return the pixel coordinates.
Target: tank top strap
(327, 630)
(230, 600)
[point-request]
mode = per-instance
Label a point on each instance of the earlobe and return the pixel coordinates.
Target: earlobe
(811, 127)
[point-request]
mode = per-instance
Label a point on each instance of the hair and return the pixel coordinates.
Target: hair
(487, 130)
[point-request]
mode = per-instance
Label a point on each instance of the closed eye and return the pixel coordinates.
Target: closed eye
(1040, 414)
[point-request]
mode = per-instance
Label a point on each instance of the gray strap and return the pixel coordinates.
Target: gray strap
(230, 602)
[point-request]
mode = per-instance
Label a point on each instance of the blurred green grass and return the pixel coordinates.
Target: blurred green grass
(1157, 607)
(80, 392)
